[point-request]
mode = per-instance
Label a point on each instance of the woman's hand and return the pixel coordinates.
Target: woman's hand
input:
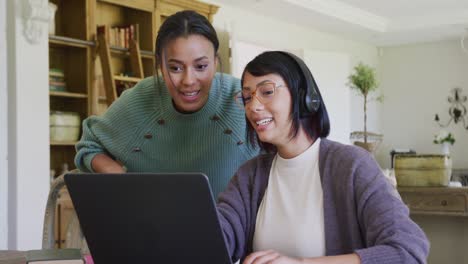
(102, 163)
(270, 257)
(273, 257)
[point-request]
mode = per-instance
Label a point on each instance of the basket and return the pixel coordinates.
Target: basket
(423, 170)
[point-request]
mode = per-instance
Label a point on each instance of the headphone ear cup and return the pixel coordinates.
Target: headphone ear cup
(312, 99)
(304, 110)
(311, 96)
(308, 103)
(309, 99)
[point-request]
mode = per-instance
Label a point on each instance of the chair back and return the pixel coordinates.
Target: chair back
(74, 237)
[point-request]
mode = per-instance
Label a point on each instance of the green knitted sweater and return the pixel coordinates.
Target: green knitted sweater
(143, 131)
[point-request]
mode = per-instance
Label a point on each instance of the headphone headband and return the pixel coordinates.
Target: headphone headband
(309, 98)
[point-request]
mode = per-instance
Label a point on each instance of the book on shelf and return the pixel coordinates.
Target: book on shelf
(55, 256)
(121, 36)
(57, 87)
(54, 72)
(57, 80)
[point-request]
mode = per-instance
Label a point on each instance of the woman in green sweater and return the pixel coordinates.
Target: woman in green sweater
(183, 121)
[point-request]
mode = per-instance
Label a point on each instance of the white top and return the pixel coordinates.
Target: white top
(290, 218)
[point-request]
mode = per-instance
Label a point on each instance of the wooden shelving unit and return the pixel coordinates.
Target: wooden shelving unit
(118, 51)
(67, 94)
(127, 79)
(72, 42)
(74, 50)
(63, 143)
(70, 50)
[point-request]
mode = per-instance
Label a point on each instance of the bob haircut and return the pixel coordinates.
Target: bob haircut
(316, 124)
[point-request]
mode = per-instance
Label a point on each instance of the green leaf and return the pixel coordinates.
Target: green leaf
(363, 79)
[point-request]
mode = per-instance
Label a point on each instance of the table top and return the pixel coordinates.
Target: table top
(12, 257)
(19, 257)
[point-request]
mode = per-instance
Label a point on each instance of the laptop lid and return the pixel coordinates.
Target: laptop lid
(148, 218)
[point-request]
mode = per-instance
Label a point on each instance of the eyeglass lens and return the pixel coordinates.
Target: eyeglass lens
(264, 93)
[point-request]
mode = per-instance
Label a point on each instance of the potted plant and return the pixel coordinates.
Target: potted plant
(444, 138)
(363, 80)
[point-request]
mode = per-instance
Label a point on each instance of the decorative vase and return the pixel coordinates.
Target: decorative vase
(373, 140)
(445, 148)
(370, 146)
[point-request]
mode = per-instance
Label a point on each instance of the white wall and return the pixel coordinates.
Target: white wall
(3, 130)
(331, 70)
(416, 80)
(28, 132)
(242, 53)
(248, 26)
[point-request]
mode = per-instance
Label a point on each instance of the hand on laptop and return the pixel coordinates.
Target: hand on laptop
(273, 257)
(102, 163)
(270, 256)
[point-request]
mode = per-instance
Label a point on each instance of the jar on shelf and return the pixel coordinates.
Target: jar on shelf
(64, 126)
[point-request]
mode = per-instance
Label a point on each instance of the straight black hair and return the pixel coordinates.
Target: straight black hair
(277, 62)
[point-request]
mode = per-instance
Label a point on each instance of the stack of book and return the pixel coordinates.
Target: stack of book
(57, 80)
(120, 36)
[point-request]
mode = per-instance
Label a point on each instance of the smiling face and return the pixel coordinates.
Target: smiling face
(271, 120)
(189, 66)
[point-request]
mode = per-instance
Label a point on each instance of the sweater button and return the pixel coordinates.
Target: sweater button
(136, 149)
(161, 121)
(228, 131)
(240, 142)
(215, 118)
(148, 136)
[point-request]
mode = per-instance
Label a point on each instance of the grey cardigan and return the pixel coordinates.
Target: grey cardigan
(362, 213)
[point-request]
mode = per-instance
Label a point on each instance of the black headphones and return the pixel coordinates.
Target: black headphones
(309, 97)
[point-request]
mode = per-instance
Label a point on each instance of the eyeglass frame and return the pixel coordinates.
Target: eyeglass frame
(239, 98)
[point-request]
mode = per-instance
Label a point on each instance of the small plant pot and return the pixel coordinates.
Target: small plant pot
(445, 148)
(369, 146)
(373, 140)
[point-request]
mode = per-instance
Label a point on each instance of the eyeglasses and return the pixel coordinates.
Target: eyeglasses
(264, 94)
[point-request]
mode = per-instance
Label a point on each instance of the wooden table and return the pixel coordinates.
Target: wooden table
(12, 257)
(447, 201)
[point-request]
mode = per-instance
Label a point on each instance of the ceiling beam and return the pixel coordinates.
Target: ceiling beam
(344, 12)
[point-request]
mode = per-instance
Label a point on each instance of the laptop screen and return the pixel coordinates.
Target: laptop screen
(148, 218)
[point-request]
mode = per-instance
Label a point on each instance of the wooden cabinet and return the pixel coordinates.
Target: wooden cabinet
(146, 5)
(72, 51)
(69, 53)
(436, 200)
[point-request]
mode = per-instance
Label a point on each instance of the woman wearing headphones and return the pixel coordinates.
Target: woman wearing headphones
(309, 199)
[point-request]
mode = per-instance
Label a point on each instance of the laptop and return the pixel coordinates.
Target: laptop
(148, 218)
